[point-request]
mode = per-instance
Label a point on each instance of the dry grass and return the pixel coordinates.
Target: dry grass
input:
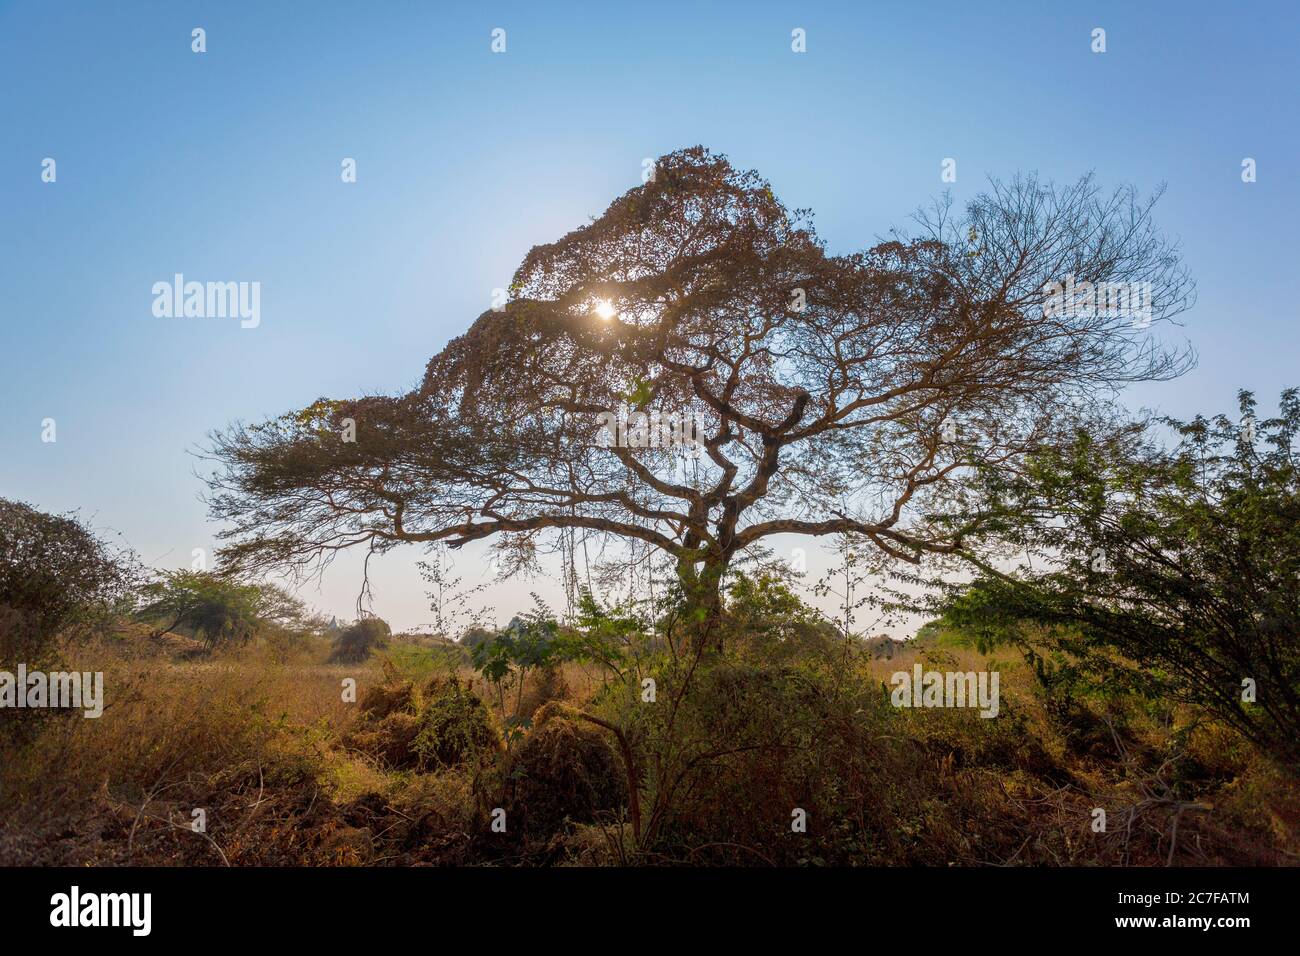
(258, 739)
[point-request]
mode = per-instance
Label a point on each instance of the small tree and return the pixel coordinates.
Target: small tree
(448, 597)
(209, 606)
(56, 575)
(854, 574)
(360, 640)
(1176, 574)
(528, 643)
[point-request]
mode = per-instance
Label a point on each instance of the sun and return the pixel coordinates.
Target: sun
(604, 309)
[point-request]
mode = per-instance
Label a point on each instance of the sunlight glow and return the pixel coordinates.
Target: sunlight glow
(604, 309)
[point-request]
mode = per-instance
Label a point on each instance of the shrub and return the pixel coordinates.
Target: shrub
(564, 770)
(546, 685)
(357, 642)
(55, 574)
(474, 636)
(1170, 574)
(765, 620)
(455, 726)
(380, 700)
(444, 725)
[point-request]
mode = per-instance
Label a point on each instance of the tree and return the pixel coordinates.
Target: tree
(360, 640)
(475, 635)
(55, 575)
(211, 607)
(764, 613)
(448, 598)
(528, 643)
(1173, 573)
(854, 575)
(694, 372)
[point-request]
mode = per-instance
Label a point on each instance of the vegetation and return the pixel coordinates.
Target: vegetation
(360, 640)
(707, 771)
(1173, 574)
(56, 577)
(915, 403)
(822, 391)
(441, 725)
(204, 605)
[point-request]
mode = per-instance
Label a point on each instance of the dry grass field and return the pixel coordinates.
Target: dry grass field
(260, 745)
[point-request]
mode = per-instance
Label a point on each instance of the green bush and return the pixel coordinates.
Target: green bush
(455, 727)
(358, 641)
(564, 769)
(443, 725)
(55, 575)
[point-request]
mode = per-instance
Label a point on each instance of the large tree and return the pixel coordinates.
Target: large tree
(829, 391)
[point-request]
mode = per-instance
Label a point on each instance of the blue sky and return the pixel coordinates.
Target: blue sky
(226, 166)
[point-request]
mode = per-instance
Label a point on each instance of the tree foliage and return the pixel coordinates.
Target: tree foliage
(359, 640)
(217, 609)
(826, 388)
(1175, 573)
(55, 575)
(530, 643)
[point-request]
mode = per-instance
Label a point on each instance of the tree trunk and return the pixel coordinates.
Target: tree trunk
(703, 609)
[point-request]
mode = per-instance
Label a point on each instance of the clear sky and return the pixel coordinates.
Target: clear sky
(225, 165)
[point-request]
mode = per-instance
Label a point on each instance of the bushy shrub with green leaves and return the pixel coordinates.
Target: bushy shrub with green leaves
(56, 576)
(455, 727)
(1174, 575)
(360, 639)
(439, 726)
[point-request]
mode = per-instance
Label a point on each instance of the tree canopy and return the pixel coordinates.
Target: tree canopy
(55, 573)
(217, 609)
(826, 391)
(360, 639)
